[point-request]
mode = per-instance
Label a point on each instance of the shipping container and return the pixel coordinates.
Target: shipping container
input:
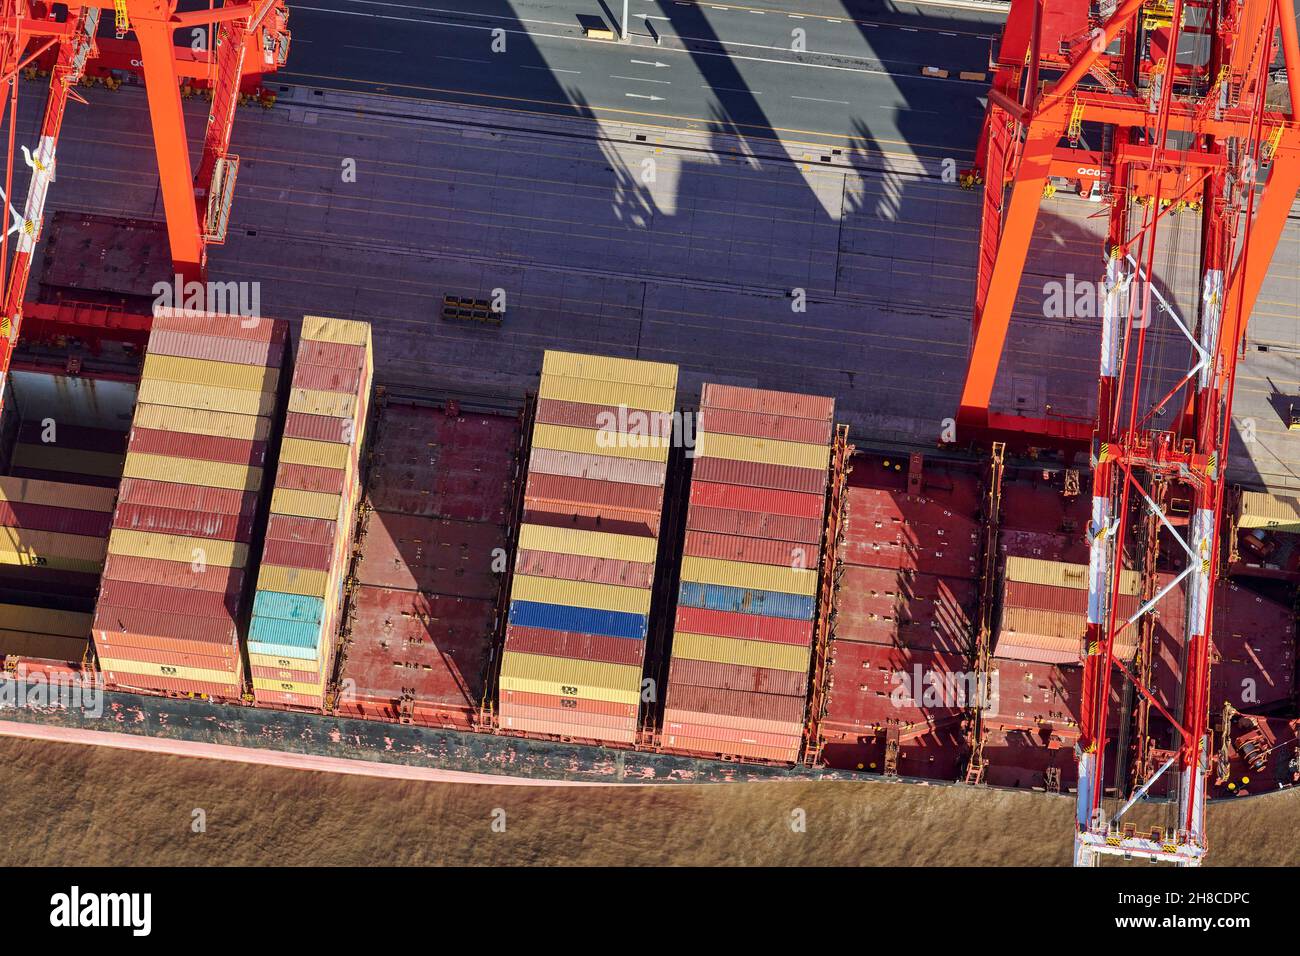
(609, 369)
(592, 544)
(587, 491)
(172, 444)
(730, 547)
(295, 554)
(214, 348)
(319, 328)
(175, 574)
(54, 458)
(315, 402)
(168, 494)
(329, 378)
(583, 620)
(589, 647)
(512, 714)
(329, 481)
(764, 450)
(301, 530)
(277, 632)
(610, 417)
(206, 397)
(726, 747)
(757, 707)
(583, 594)
(738, 677)
(576, 567)
(1061, 574)
(290, 607)
(706, 494)
(751, 627)
(590, 392)
(765, 402)
(55, 494)
(275, 674)
(40, 544)
(117, 668)
(570, 678)
(757, 725)
(321, 454)
(226, 375)
(544, 461)
(756, 524)
(731, 736)
(125, 621)
(715, 597)
(606, 708)
(592, 518)
(1271, 512)
(66, 520)
(292, 580)
(318, 428)
(589, 442)
(805, 431)
(223, 325)
(755, 474)
(625, 737)
(216, 424)
(167, 685)
(170, 547)
(306, 504)
(330, 355)
(758, 576)
(33, 646)
(170, 600)
(726, 650)
(40, 620)
(206, 474)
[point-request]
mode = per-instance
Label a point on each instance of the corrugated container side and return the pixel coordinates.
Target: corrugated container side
(1274, 512)
(588, 442)
(589, 392)
(332, 355)
(289, 607)
(597, 597)
(117, 667)
(331, 378)
(316, 402)
(206, 474)
(129, 620)
(608, 368)
(169, 494)
(592, 517)
(751, 627)
(575, 567)
(595, 467)
(176, 574)
(295, 554)
(303, 530)
(321, 454)
(128, 681)
(767, 402)
(306, 504)
(756, 524)
(216, 348)
(221, 324)
(292, 580)
(567, 730)
(69, 520)
(231, 375)
(326, 481)
(318, 428)
(321, 328)
(524, 699)
(587, 491)
(754, 474)
(114, 642)
(222, 605)
(730, 547)
(168, 547)
(151, 441)
(741, 575)
(21, 617)
(590, 647)
(197, 524)
(205, 397)
(756, 725)
(798, 607)
(559, 617)
(711, 700)
(39, 543)
(706, 494)
(570, 678)
(805, 431)
(593, 544)
(580, 415)
(738, 677)
(765, 450)
(725, 747)
(56, 494)
(199, 422)
(726, 650)
(729, 735)
(512, 713)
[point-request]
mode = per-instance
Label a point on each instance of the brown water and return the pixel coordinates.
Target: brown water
(60, 802)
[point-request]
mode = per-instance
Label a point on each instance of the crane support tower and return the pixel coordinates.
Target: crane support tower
(222, 50)
(1190, 109)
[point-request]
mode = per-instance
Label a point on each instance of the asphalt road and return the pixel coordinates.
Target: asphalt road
(837, 70)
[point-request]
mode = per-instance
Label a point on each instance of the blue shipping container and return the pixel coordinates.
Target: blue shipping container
(305, 654)
(582, 620)
(274, 630)
(718, 597)
(288, 607)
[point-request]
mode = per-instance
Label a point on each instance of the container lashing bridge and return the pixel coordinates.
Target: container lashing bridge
(1191, 114)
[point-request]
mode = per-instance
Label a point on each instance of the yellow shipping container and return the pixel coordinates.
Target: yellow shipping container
(566, 677)
(766, 450)
(589, 544)
(285, 663)
(593, 441)
(120, 671)
(198, 422)
(191, 371)
(190, 471)
(40, 620)
(320, 328)
(207, 397)
(289, 687)
(602, 597)
(71, 460)
(312, 401)
(57, 494)
(34, 558)
(606, 369)
(305, 504)
(1062, 575)
(304, 581)
(730, 650)
(175, 547)
(592, 392)
(49, 647)
(740, 574)
(322, 454)
(1270, 512)
(82, 547)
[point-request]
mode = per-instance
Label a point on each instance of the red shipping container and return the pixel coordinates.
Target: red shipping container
(551, 411)
(740, 677)
(194, 524)
(706, 494)
(587, 647)
(121, 680)
(330, 354)
(175, 574)
(213, 348)
(785, 728)
(109, 644)
(169, 494)
(291, 554)
(319, 428)
(294, 477)
(175, 658)
(748, 627)
(236, 451)
(805, 431)
(222, 325)
(643, 524)
(730, 547)
(697, 745)
(266, 698)
(93, 524)
(48, 580)
(545, 728)
(584, 706)
(587, 491)
(566, 716)
(757, 524)
(185, 601)
(710, 700)
(327, 378)
(756, 474)
(577, 567)
(754, 738)
(284, 674)
(304, 530)
(596, 467)
(767, 402)
(148, 623)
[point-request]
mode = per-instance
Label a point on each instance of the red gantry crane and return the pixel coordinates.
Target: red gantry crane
(242, 42)
(1191, 115)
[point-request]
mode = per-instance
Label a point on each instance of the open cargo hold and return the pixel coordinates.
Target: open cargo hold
(296, 625)
(746, 607)
(173, 588)
(39, 640)
(584, 573)
(431, 571)
(53, 536)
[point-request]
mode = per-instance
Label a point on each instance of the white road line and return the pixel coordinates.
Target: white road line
(730, 89)
(550, 69)
(643, 96)
(639, 79)
(369, 49)
(816, 99)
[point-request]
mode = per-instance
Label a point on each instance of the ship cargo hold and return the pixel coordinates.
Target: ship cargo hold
(742, 641)
(174, 585)
(433, 540)
(580, 594)
(307, 548)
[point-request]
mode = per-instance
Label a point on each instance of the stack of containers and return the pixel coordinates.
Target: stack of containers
(1045, 612)
(173, 584)
(291, 639)
(742, 647)
(580, 598)
(53, 536)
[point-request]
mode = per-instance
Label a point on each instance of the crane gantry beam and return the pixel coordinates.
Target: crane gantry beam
(1184, 126)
